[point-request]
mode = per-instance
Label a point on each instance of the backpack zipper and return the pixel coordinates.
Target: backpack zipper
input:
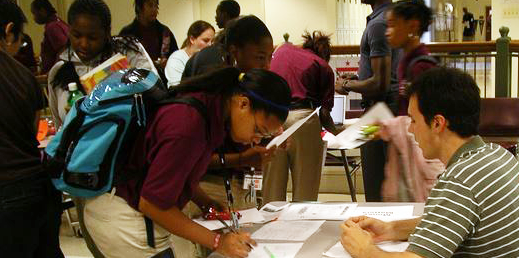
(139, 108)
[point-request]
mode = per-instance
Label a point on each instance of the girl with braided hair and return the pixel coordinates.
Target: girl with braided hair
(90, 44)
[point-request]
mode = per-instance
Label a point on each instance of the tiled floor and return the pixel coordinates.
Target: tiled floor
(74, 247)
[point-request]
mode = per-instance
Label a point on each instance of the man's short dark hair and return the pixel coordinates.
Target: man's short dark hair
(11, 12)
(44, 4)
(230, 7)
(451, 93)
(139, 4)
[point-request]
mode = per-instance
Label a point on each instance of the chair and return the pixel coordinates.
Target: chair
(343, 160)
(499, 122)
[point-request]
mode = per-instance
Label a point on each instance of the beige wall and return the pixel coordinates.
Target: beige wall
(506, 13)
(292, 16)
(295, 16)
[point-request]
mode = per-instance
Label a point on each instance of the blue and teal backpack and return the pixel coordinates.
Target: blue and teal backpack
(86, 157)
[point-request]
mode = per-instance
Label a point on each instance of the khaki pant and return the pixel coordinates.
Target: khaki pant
(304, 158)
(80, 208)
(214, 187)
(119, 231)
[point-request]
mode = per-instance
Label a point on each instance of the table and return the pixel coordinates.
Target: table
(329, 233)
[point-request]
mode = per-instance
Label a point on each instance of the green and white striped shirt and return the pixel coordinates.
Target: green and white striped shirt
(473, 210)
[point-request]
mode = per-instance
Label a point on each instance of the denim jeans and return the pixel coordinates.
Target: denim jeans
(30, 217)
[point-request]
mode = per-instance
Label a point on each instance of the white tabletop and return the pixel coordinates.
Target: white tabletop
(329, 233)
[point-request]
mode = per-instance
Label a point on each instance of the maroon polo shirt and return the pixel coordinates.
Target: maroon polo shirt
(418, 68)
(176, 151)
(309, 76)
(55, 39)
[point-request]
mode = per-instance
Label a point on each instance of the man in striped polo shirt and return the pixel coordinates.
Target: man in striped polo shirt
(473, 210)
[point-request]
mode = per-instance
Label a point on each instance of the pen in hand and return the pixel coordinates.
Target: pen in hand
(232, 230)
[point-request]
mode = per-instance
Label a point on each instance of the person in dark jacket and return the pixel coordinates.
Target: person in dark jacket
(30, 207)
(157, 38)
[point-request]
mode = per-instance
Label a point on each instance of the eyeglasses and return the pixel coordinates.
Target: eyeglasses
(258, 133)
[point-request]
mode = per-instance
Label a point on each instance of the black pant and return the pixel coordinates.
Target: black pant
(373, 156)
(30, 217)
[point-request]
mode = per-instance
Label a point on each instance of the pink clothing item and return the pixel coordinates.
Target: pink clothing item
(406, 164)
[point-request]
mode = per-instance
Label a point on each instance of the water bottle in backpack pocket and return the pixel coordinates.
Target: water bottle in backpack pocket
(83, 156)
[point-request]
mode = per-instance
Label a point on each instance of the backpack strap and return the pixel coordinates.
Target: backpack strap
(421, 58)
(57, 162)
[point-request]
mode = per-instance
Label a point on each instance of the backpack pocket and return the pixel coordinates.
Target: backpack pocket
(91, 154)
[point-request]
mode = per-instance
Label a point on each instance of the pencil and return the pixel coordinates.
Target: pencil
(271, 255)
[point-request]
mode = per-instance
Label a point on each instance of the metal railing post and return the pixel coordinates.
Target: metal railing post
(503, 75)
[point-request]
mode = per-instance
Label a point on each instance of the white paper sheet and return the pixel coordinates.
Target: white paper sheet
(248, 216)
(337, 251)
(351, 137)
(278, 250)
(309, 211)
(386, 213)
(290, 231)
(289, 131)
(271, 212)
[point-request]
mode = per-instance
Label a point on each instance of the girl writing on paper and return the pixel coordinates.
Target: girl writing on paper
(176, 149)
(246, 43)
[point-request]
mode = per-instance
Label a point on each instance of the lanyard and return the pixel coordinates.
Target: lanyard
(228, 190)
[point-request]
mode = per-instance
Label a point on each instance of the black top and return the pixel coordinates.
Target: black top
(20, 98)
(207, 59)
(166, 39)
(470, 30)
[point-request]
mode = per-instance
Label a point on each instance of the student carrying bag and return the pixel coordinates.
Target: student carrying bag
(86, 157)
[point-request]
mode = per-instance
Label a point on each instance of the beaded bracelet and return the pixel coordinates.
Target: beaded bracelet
(216, 243)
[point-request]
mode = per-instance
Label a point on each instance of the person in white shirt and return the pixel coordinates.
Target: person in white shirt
(199, 36)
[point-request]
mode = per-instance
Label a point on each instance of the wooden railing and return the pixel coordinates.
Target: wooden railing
(475, 58)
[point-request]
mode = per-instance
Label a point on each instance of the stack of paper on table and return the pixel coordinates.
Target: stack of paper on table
(248, 216)
(352, 137)
(287, 231)
(318, 211)
(386, 213)
(337, 251)
(278, 250)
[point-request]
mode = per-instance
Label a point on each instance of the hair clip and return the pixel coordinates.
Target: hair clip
(241, 77)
